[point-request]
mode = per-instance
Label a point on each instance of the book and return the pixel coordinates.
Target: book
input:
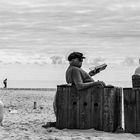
(98, 68)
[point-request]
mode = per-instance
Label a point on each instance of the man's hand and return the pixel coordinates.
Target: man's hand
(100, 83)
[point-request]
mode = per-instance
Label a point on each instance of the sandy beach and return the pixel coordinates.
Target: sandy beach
(22, 122)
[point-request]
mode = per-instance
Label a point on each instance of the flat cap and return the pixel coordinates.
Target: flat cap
(74, 55)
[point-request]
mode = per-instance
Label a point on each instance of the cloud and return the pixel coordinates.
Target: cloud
(133, 5)
(129, 61)
(7, 57)
(25, 33)
(57, 60)
(42, 59)
(94, 61)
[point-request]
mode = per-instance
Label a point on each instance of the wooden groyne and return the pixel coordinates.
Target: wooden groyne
(99, 107)
(96, 107)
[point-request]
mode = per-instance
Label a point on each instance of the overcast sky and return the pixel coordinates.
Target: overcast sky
(31, 30)
(43, 32)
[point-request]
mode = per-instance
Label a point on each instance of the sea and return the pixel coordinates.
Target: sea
(53, 83)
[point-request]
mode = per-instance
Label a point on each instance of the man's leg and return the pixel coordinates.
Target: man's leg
(54, 105)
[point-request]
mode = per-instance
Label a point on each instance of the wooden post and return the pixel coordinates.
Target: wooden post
(73, 108)
(95, 107)
(35, 105)
(129, 110)
(62, 106)
(132, 110)
(85, 108)
(111, 109)
(137, 92)
(119, 108)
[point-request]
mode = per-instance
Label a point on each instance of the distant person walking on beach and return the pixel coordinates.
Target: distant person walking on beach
(5, 83)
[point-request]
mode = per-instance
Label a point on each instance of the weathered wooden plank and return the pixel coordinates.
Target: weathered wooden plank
(109, 99)
(96, 108)
(137, 93)
(73, 108)
(62, 107)
(129, 110)
(58, 105)
(85, 108)
(118, 108)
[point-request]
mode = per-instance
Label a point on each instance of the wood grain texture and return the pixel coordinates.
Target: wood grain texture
(108, 109)
(129, 110)
(73, 108)
(137, 93)
(62, 107)
(95, 107)
(85, 108)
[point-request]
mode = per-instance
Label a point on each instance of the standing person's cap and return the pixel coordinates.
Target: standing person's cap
(75, 55)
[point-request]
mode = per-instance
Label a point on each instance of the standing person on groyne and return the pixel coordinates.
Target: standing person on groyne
(5, 83)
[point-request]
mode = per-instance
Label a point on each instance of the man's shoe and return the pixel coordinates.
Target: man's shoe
(49, 124)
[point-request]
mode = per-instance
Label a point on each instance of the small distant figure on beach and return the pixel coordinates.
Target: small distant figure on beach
(137, 71)
(5, 83)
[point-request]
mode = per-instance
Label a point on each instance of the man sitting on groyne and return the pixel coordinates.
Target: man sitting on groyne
(75, 75)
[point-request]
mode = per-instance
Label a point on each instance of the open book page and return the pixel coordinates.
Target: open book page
(98, 68)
